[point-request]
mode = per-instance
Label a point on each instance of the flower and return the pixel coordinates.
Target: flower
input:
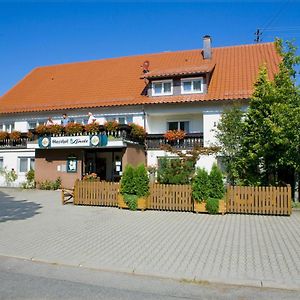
(3, 135)
(93, 127)
(111, 125)
(90, 177)
(173, 135)
(72, 128)
(15, 135)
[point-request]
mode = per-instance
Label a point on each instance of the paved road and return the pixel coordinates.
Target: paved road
(31, 280)
(232, 249)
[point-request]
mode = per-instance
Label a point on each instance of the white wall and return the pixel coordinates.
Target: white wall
(210, 123)
(11, 161)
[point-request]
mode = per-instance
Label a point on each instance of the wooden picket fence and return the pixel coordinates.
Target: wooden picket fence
(170, 197)
(239, 199)
(259, 200)
(96, 193)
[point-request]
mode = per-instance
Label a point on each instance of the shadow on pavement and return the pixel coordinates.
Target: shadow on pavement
(11, 209)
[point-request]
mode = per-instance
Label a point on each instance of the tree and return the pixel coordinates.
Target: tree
(200, 185)
(229, 135)
(216, 185)
(141, 181)
(127, 185)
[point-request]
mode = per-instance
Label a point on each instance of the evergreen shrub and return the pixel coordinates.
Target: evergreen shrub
(201, 185)
(216, 189)
(212, 205)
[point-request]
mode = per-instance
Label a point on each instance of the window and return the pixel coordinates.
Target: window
(1, 127)
(26, 164)
(9, 127)
(120, 119)
(161, 88)
(191, 85)
(179, 125)
(34, 124)
(1, 163)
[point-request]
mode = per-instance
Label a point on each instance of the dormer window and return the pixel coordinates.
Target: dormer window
(192, 85)
(162, 88)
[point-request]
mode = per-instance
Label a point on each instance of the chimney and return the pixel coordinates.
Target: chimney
(207, 47)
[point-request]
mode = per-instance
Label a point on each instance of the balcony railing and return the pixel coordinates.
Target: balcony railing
(20, 143)
(155, 141)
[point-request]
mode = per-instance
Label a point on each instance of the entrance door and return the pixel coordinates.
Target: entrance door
(101, 167)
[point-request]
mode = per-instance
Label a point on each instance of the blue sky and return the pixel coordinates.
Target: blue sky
(37, 33)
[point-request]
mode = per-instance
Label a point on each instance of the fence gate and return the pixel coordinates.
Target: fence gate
(170, 197)
(259, 200)
(96, 193)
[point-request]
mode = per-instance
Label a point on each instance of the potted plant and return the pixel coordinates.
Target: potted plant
(42, 129)
(55, 129)
(137, 132)
(200, 190)
(15, 136)
(111, 125)
(174, 135)
(91, 128)
(3, 135)
(73, 128)
(134, 188)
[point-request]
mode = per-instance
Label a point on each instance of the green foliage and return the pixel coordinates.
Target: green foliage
(216, 185)
(212, 206)
(50, 185)
(127, 185)
(10, 176)
(131, 201)
(175, 171)
(200, 185)
(269, 134)
(230, 133)
(141, 181)
(30, 182)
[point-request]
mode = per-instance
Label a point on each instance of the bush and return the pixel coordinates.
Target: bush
(15, 135)
(55, 129)
(127, 185)
(217, 189)
(212, 206)
(91, 128)
(131, 201)
(141, 181)
(174, 171)
(3, 135)
(201, 185)
(73, 128)
(30, 182)
(50, 185)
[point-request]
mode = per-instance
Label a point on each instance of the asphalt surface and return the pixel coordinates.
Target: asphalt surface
(24, 279)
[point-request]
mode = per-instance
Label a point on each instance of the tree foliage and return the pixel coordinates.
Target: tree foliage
(267, 139)
(216, 184)
(201, 185)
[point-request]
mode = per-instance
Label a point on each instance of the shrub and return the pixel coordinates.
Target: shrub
(93, 127)
(111, 125)
(201, 185)
(174, 135)
(127, 185)
(42, 129)
(73, 128)
(29, 183)
(141, 181)
(131, 201)
(3, 135)
(50, 185)
(138, 132)
(10, 176)
(217, 189)
(174, 171)
(15, 135)
(55, 129)
(212, 205)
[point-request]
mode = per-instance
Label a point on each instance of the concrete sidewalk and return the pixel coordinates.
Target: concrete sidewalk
(235, 249)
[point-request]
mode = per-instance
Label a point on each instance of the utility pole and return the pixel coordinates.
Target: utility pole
(257, 34)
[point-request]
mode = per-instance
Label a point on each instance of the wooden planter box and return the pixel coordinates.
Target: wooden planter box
(142, 203)
(200, 207)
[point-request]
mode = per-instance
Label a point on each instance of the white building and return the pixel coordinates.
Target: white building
(186, 90)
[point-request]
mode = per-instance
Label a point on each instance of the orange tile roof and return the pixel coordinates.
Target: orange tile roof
(181, 70)
(117, 81)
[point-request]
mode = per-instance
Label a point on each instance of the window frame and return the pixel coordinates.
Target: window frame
(178, 124)
(192, 80)
(161, 81)
(29, 159)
